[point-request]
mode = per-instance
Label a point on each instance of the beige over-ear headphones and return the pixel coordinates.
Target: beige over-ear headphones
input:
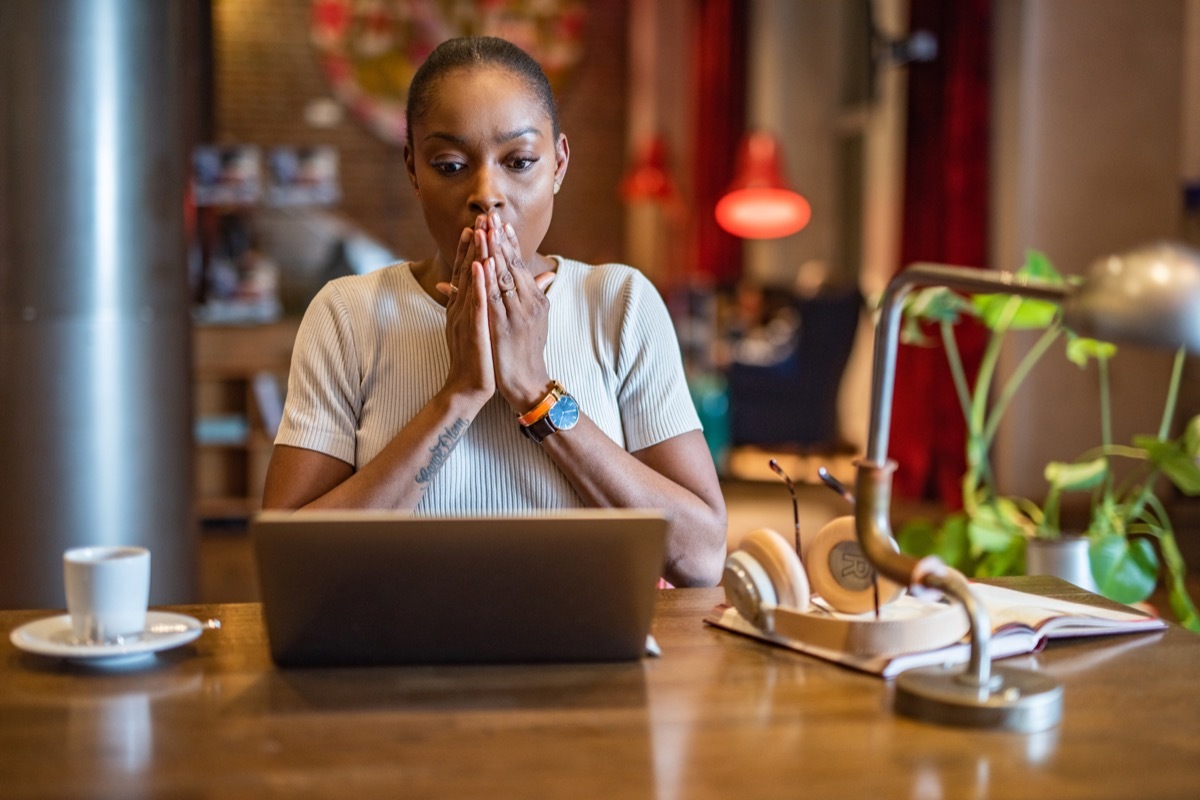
(765, 569)
(765, 580)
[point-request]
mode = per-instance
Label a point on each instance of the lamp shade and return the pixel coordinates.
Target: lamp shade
(1148, 296)
(648, 180)
(759, 204)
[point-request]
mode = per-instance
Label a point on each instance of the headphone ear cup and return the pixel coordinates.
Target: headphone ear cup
(748, 588)
(782, 564)
(840, 572)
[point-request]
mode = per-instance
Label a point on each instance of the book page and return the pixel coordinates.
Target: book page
(1054, 617)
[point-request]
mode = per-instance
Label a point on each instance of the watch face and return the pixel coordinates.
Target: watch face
(565, 413)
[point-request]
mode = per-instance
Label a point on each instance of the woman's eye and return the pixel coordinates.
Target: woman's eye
(448, 167)
(522, 163)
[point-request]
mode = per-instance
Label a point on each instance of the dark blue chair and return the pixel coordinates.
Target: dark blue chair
(793, 404)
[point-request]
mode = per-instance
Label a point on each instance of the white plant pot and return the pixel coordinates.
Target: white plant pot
(1065, 557)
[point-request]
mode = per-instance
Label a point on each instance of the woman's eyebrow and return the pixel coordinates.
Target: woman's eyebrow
(453, 138)
(500, 138)
(517, 134)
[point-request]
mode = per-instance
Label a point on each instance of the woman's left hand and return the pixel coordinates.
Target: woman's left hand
(518, 317)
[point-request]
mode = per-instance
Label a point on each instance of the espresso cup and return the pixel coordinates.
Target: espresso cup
(108, 590)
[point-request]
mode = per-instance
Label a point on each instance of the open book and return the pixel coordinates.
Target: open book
(1021, 623)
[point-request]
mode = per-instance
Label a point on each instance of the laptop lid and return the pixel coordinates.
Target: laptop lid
(371, 587)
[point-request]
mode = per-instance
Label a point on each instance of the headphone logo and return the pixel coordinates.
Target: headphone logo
(853, 570)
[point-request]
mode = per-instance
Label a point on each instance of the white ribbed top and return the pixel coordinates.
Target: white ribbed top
(371, 352)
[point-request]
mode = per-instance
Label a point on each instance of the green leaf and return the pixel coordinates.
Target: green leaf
(995, 524)
(1191, 437)
(953, 545)
(1080, 349)
(948, 542)
(1157, 450)
(1037, 265)
(1108, 518)
(1077, 476)
(1174, 461)
(1176, 582)
(1009, 514)
(917, 538)
(1184, 472)
(1008, 561)
(912, 333)
(1029, 314)
(988, 534)
(1125, 569)
(936, 304)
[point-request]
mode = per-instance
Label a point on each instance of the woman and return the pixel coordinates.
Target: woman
(490, 377)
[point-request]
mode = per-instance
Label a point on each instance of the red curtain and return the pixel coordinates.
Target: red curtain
(945, 220)
(719, 83)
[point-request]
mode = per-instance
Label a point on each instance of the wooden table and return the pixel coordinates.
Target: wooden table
(717, 716)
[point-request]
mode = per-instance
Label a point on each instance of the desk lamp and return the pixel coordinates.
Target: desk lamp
(1149, 296)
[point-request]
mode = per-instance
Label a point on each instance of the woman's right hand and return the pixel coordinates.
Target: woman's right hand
(467, 337)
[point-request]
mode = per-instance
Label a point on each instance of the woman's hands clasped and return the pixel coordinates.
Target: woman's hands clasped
(497, 317)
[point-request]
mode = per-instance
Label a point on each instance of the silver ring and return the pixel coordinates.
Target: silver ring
(509, 292)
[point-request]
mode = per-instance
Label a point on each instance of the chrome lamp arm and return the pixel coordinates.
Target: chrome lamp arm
(1019, 701)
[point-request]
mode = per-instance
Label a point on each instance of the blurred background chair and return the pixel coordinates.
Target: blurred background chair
(783, 388)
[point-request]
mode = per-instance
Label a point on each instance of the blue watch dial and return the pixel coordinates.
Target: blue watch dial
(564, 414)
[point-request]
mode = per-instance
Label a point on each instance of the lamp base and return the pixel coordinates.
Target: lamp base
(1015, 699)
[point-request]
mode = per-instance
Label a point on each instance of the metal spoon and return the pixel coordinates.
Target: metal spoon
(160, 630)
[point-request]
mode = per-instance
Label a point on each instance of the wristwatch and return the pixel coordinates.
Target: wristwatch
(558, 411)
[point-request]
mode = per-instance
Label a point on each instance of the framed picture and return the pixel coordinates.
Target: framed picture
(226, 175)
(370, 49)
(302, 176)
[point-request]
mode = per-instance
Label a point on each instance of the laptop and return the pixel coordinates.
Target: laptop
(351, 588)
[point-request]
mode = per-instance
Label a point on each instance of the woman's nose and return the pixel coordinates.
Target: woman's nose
(486, 194)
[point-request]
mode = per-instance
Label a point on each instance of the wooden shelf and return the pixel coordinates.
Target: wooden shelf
(233, 445)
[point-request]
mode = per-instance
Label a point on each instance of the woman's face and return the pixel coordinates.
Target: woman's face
(485, 145)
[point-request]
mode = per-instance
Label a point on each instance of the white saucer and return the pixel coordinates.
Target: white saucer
(53, 636)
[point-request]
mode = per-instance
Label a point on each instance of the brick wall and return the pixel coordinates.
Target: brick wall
(266, 73)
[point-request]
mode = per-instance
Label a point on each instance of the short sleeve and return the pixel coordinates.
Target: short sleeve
(323, 403)
(653, 394)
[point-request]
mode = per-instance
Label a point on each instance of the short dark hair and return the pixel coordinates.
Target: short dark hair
(476, 51)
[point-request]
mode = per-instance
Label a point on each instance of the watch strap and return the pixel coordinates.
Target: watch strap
(539, 429)
(542, 408)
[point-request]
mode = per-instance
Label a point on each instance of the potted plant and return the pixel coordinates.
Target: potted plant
(989, 536)
(1126, 514)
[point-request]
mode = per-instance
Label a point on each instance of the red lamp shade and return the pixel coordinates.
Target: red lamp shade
(759, 205)
(648, 178)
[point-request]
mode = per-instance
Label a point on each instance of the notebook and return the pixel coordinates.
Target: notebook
(367, 587)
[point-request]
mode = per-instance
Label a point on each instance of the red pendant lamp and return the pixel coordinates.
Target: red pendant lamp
(759, 204)
(649, 179)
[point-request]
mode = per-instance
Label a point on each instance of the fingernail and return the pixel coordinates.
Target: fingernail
(495, 220)
(508, 228)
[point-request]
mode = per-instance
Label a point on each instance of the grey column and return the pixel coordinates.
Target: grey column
(95, 397)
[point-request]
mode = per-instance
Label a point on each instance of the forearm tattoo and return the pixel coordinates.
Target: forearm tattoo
(446, 442)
